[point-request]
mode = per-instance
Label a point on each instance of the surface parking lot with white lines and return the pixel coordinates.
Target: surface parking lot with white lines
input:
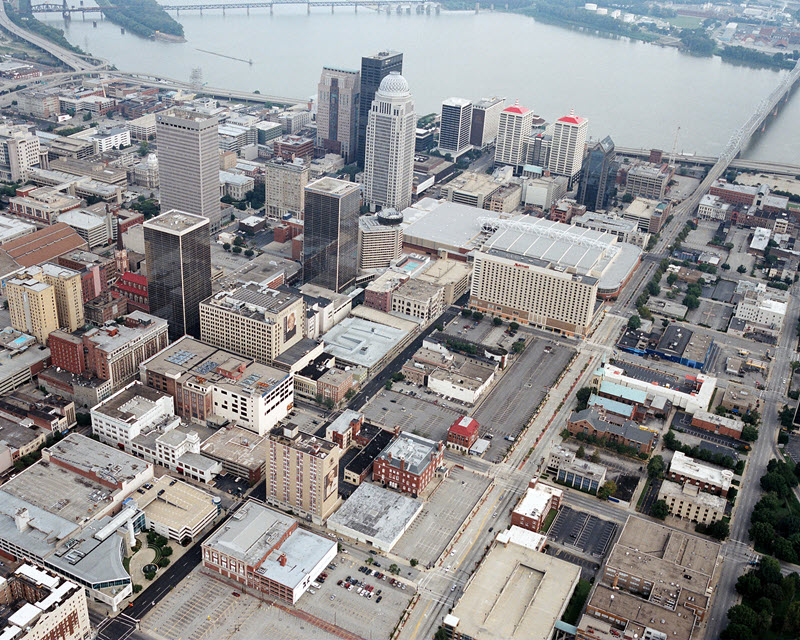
(441, 517)
(414, 415)
(363, 616)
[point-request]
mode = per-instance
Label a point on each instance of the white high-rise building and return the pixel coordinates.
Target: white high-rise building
(188, 163)
(569, 141)
(516, 123)
(455, 125)
(485, 121)
(389, 156)
(19, 152)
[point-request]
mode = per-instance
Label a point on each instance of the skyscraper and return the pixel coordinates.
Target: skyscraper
(373, 70)
(599, 175)
(188, 163)
(330, 233)
(485, 121)
(569, 140)
(391, 130)
(456, 122)
(177, 248)
(515, 124)
(337, 111)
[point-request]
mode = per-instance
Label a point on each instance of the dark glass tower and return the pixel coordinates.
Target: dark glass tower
(599, 175)
(373, 70)
(330, 233)
(177, 248)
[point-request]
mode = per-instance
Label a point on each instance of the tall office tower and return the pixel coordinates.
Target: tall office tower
(569, 140)
(284, 188)
(515, 125)
(44, 298)
(599, 175)
(177, 248)
(391, 132)
(456, 123)
(330, 233)
(337, 111)
(485, 121)
(302, 473)
(188, 163)
(373, 70)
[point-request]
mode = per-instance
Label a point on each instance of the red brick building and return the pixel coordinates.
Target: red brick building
(463, 433)
(334, 384)
(717, 424)
(290, 147)
(408, 463)
(133, 287)
(532, 510)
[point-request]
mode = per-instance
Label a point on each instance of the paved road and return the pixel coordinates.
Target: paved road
(73, 60)
(737, 550)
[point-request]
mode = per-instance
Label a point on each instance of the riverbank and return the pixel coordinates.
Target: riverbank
(144, 18)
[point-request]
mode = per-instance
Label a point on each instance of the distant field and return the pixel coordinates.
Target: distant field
(685, 22)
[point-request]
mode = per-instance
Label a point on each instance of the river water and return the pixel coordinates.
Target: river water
(638, 93)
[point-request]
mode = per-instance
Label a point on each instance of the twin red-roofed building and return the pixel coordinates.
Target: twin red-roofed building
(463, 433)
(568, 146)
(516, 123)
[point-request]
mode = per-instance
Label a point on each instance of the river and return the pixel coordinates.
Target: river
(638, 93)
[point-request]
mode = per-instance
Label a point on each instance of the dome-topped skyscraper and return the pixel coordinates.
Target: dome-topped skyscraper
(394, 85)
(389, 154)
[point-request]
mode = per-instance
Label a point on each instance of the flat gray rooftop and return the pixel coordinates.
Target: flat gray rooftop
(377, 513)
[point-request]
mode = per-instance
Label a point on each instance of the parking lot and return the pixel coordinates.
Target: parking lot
(441, 517)
(359, 614)
(587, 533)
(682, 422)
(511, 403)
(415, 415)
(715, 315)
(588, 569)
(201, 608)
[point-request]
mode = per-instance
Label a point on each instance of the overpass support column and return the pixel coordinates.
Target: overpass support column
(355, 6)
(331, 7)
(270, 9)
(477, 7)
(308, 7)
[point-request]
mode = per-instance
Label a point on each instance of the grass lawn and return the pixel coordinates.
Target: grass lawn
(549, 520)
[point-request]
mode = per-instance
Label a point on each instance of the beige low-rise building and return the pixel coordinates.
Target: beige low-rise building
(284, 185)
(419, 299)
(177, 510)
(253, 321)
(688, 502)
(453, 276)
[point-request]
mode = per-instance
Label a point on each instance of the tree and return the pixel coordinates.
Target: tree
(388, 385)
(725, 266)
(786, 416)
(249, 253)
(791, 624)
(719, 530)
(743, 615)
(237, 249)
(238, 241)
(581, 453)
(144, 148)
(653, 288)
(466, 313)
(582, 396)
(497, 321)
(737, 632)
(656, 466)
(784, 550)
(226, 246)
(770, 570)
(477, 316)
(672, 278)
(634, 322)
(414, 562)
(137, 588)
(626, 198)
(393, 568)
(514, 326)
(609, 488)
(691, 302)
(518, 346)
(660, 509)
(749, 433)
(741, 269)
(748, 585)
